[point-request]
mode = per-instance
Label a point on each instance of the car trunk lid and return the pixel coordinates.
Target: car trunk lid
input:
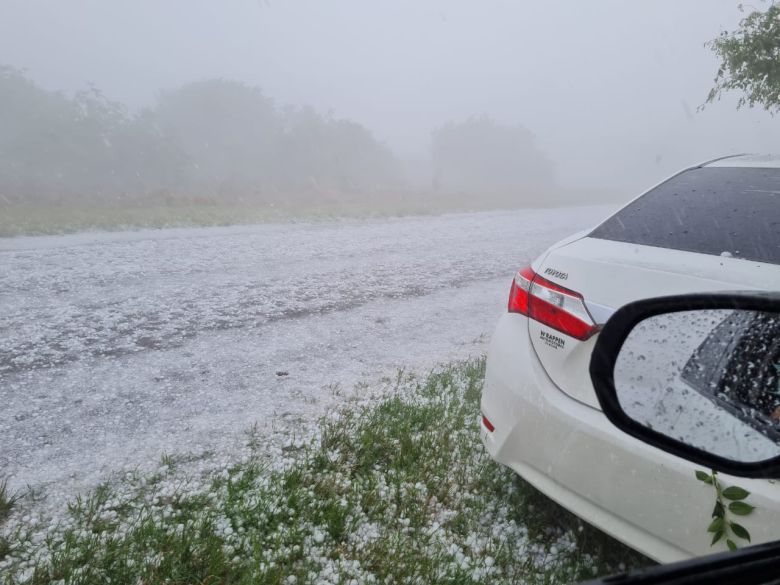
(609, 274)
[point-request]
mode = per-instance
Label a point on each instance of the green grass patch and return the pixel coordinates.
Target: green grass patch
(397, 492)
(7, 501)
(22, 220)
(80, 214)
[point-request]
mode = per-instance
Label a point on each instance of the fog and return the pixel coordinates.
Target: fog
(605, 94)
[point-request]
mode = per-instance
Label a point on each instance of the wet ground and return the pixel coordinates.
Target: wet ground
(116, 348)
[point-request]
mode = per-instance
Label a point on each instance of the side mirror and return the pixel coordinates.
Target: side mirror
(697, 376)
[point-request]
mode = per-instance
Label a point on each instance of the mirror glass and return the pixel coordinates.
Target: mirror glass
(707, 378)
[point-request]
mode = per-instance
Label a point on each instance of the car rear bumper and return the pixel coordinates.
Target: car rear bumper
(570, 451)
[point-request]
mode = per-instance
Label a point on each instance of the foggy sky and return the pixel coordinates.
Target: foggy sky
(609, 87)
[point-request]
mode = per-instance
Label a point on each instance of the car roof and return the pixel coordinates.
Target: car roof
(746, 160)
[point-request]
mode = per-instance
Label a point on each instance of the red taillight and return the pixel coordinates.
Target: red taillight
(518, 293)
(555, 306)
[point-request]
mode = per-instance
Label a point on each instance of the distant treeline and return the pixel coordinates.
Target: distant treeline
(479, 154)
(220, 138)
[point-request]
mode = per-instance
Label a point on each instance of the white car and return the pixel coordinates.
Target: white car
(714, 227)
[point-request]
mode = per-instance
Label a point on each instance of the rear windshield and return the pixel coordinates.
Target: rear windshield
(721, 211)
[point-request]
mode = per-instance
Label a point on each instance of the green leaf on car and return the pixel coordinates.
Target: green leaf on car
(735, 493)
(716, 525)
(740, 508)
(728, 503)
(740, 531)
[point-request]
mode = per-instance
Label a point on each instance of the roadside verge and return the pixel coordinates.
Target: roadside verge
(396, 491)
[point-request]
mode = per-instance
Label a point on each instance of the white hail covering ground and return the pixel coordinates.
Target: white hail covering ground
(117, 348)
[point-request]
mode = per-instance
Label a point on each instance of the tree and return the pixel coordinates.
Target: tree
(35, 126)
(750, 60)
(227, 130)
(322, 151)
(480, 154)
(238, 141)
(53, 146)
(209, 137)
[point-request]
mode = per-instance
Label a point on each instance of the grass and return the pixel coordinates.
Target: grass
(7, 501)
(397, 492)
(79, 214)
(20, 220)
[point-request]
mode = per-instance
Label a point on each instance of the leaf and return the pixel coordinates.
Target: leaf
(719, 511)
(704, 476)
(735, 493)
(716, 537)
(716, 525)
(740, 531)
(731, 544)
(740, 508)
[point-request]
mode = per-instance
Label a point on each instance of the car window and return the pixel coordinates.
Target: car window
(720, 211)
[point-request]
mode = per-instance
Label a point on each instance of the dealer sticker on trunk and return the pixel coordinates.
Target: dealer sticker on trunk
(552, 340)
